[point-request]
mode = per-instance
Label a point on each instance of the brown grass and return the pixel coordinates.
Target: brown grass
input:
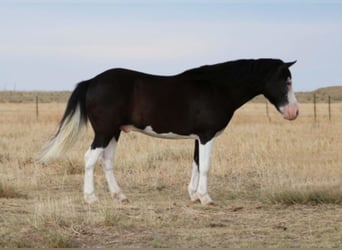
(9, 192)
(276, 184)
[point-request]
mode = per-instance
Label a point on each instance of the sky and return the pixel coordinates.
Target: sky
(54, 44)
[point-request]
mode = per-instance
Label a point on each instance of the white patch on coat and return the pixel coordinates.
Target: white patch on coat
(148, 130)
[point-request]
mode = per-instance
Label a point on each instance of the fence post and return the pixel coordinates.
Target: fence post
(268, 115)
(315, 110)
(329, 107)
(37, 108)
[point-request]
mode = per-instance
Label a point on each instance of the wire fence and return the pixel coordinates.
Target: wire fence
(322, 110)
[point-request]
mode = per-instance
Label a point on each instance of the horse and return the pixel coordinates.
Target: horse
(195, 104)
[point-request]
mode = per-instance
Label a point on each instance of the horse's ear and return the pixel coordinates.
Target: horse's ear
(289, 64)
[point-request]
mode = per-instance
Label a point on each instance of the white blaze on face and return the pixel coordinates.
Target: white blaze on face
(290, 111)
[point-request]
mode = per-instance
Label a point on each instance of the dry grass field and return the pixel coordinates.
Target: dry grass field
(275, 183)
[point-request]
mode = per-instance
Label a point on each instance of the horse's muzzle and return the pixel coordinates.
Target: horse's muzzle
(290, 111)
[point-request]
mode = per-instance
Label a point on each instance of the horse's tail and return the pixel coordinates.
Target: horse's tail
(73, 121)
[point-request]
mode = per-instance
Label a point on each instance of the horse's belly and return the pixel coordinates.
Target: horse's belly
(148, 130)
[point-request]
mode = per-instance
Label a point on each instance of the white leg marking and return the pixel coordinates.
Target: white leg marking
(204, 167)
(91, 157)
(193, 185)
(113, 186)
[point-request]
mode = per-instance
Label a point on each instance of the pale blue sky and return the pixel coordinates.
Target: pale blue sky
(53, 44)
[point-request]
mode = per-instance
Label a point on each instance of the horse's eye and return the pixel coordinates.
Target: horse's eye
(289, 81)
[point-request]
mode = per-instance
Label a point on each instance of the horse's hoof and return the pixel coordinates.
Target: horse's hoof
(194, 197)
(120, 197)
(124, 201)
(90, 198)
(205, 199)
(195, 201)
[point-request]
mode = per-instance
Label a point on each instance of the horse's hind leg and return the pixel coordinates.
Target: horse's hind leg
(95, 152)
(108, 156)
(90, 157)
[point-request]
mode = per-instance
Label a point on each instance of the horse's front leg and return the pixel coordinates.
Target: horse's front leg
(204, 167)
(198, 186)
(193, 185)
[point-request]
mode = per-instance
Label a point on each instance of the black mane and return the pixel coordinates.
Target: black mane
(236, 71)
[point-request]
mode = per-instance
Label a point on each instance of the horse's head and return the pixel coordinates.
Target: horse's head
(278, 90)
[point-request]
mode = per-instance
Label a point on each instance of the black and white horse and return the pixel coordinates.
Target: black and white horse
(196, 104)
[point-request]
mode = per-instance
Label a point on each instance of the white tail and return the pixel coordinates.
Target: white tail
(68, 133)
